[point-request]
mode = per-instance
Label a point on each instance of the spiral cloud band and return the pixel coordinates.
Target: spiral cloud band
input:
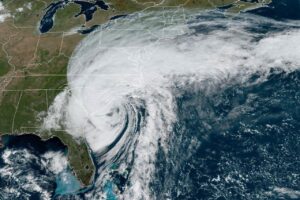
(136, 60)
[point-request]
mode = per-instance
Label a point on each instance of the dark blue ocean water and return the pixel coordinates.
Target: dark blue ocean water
(24, 168)
(280, 10)
(235, 140)
(241, 141)
(232, 141)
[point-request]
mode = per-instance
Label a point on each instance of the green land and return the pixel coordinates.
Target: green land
(33, 65)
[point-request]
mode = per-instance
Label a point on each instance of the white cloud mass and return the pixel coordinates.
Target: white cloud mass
(138, 58)
(3, 13)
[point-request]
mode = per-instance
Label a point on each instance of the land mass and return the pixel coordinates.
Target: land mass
(33, 65)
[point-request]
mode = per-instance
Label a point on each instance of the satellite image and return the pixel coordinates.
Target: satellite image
(150, 99)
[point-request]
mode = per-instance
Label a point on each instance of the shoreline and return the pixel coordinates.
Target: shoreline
(69, 156)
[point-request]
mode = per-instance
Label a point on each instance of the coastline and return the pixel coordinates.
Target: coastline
(85, 179)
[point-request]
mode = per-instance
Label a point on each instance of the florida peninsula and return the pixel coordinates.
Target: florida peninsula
(37, 38)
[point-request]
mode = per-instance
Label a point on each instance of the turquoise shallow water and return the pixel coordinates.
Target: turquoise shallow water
(109, 189)
(66, 183)
(237, 140)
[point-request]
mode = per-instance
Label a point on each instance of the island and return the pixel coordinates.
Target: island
(35, 50)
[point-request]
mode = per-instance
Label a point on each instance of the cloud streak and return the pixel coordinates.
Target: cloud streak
(137, 59)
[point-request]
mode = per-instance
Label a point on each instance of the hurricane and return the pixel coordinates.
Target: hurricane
(186, 104)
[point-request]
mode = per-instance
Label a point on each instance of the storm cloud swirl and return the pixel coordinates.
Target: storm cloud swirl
(139, 86)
